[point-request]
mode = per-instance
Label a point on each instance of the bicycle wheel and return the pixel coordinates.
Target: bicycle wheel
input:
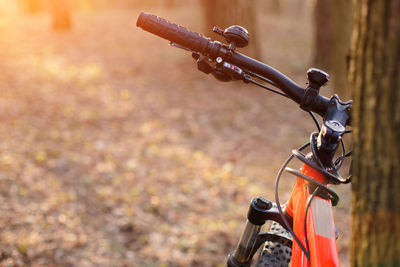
(275, 254)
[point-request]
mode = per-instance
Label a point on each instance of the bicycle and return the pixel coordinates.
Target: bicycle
(303, 232)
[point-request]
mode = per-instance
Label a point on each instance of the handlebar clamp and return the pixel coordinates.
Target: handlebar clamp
(317, 78)
(309, 98)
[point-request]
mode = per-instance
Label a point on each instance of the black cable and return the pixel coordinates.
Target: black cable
(336, 167)
(339, 164)
(334, 196)
(314, 193)
(278, 92)
(343, 157)
(278, 177)
(334, 178)
(268, 88)
(340, 159)
(315, 120)
(310, 198)
(261, 78)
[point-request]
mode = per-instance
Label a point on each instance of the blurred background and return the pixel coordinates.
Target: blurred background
(116, 151)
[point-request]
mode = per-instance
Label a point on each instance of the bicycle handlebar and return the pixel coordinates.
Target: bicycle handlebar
(289, 87)
(199, 43)
(172, 32)
(335, 113)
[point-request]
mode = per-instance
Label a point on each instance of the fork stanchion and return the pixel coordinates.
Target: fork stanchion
(256, 218)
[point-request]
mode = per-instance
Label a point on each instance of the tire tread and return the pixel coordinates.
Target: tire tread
(275, 254)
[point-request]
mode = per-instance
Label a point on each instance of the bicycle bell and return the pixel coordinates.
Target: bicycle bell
(238, 35)
(235, 34)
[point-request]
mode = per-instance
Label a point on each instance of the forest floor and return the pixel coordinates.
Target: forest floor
(116, 151)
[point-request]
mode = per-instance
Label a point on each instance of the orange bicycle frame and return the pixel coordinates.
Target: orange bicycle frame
(320, 226)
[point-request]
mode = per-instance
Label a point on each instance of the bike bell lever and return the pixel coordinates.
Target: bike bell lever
(235, 35)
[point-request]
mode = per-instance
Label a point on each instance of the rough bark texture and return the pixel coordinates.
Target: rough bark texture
(374, 76)
(61, 10)
(223, 13)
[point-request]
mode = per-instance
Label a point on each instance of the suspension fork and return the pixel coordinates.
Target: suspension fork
(260, 211)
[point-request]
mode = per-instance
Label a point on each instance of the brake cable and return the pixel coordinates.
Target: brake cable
(337, 165)
(248, 79)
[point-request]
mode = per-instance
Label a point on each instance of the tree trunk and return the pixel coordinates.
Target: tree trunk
(224, 13)
(332, 20)
(274, 7)
(323, 34)
(374, 76)
(61, 10)
(341, 35)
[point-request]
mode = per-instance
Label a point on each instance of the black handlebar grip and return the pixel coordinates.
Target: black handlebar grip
(172, 32)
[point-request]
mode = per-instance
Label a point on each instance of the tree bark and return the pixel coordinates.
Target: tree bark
(374, 77)
(274, 7)
(333, 21)
(341, 35)
(323, 34)
(224, 13)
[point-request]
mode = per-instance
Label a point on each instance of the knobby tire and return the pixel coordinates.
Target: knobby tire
(275, 254)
